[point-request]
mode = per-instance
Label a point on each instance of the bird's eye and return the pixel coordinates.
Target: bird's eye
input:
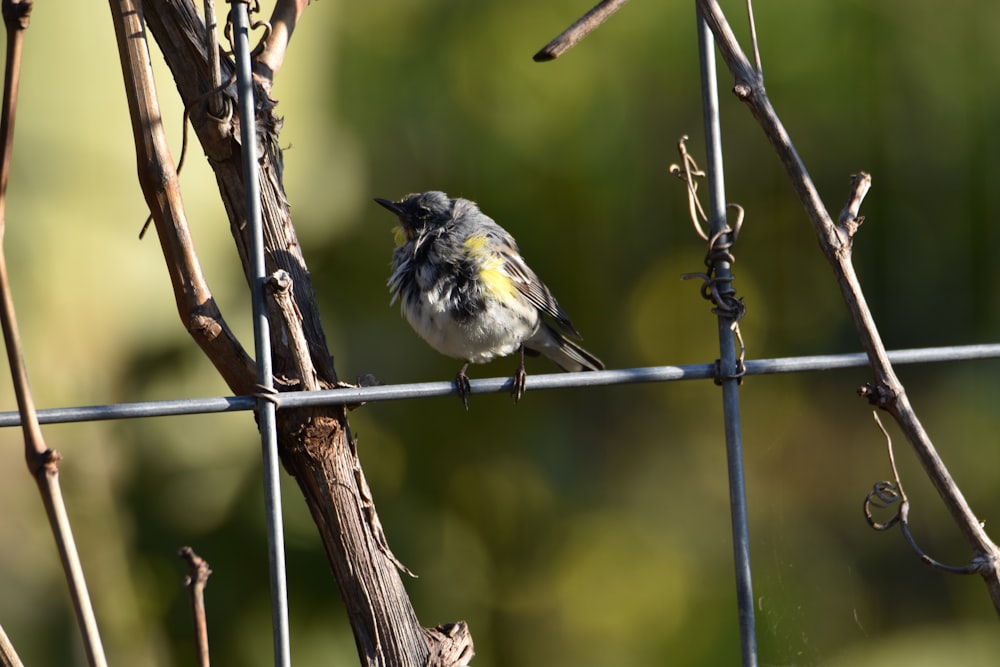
(423, 211)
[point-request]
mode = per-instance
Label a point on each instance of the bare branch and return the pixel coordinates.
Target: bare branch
(887, 391)
(40, 459)
(8, 656)
(580, 29)
(195, 581)
(160, 186)
(275, 43)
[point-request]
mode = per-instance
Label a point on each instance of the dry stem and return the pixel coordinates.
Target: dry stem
(195, 581)
(583, 26)
(8, 656)
(40, 459)
(161, 188)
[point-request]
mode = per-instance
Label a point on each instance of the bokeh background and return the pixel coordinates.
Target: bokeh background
(585, 527)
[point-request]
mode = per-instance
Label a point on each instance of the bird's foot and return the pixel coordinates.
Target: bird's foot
(463, 387)
(519, 380)
(517, 384)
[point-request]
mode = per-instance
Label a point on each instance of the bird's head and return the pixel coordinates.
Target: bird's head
(420, 213)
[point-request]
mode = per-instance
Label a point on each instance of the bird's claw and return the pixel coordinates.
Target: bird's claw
(517, 384)
(463, 387)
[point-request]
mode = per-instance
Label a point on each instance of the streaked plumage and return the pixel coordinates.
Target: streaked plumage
(465, 289)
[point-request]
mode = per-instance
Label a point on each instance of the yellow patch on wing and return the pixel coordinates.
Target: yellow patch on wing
(496, 281)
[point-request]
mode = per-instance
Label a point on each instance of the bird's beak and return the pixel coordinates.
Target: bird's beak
(391, 205)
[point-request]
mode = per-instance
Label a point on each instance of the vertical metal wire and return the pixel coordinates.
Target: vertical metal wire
(728, 355)
(262, 335)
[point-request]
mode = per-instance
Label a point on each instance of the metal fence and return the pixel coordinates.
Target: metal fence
(727, 371)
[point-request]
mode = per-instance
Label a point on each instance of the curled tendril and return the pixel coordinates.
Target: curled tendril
(688, 172)
(266, 25)
(718, 289)
(253, 8)
(883, 495)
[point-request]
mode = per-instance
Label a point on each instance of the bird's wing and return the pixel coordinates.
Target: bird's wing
(532, 288)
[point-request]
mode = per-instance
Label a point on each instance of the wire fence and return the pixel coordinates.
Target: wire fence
(726, 372)
(539, 382)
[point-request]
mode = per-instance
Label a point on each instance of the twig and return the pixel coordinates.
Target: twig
(886, 391)
(195, 581)
(583, 27)
(40, 459)
(850, 219)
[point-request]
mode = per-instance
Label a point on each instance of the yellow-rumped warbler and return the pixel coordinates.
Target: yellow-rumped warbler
(464, 287)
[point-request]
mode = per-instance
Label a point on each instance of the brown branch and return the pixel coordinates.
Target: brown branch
(580, 29)
(161, 188)
(195, 582)
(8, 656)
(40, 459)
(887, 391)
(284, 18)
(15, 15)
(282, 308)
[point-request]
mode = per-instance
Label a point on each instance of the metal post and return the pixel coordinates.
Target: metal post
(262, 335)
(728, 356)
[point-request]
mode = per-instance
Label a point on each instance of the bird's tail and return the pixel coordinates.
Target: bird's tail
(565, 353)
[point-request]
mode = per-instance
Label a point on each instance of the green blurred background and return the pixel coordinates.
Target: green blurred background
(584, 527)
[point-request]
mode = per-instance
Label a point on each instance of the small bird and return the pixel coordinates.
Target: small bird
(465, 289)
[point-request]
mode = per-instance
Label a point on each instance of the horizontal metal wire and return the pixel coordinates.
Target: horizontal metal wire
(351, 395)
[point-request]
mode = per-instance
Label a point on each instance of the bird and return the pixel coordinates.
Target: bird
(465, 289)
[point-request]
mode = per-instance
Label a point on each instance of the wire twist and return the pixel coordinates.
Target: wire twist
(718, 289)
(264, 393)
